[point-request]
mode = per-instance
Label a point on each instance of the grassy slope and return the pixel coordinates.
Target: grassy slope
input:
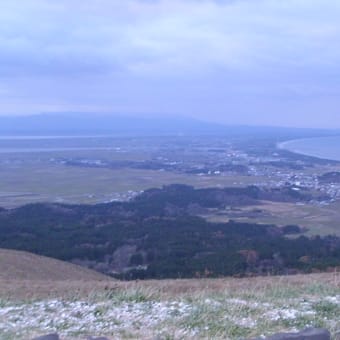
(172, 309)
(19, 265)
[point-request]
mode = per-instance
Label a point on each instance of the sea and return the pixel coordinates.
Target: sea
(322, 147)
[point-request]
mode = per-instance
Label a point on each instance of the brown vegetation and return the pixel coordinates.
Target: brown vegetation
(20, 265)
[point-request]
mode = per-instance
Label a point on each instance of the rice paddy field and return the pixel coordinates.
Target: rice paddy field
(316, 219)
(39, 175)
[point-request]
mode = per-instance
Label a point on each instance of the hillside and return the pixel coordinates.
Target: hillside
(172, 309)
(20, 265)
(159, 235)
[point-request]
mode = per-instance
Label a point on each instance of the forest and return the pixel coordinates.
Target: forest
(157, 235)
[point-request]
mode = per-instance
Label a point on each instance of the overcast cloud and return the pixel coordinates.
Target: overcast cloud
(247, 62)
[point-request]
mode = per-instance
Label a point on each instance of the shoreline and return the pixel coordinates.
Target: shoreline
(285, 145)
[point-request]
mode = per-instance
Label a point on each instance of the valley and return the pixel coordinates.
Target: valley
(187, 236)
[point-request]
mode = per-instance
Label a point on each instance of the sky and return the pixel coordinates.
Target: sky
(253, 62)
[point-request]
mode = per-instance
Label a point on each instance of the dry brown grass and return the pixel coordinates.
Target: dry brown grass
(20, 265)
(182, 288)
(160, 289)
(228, 308)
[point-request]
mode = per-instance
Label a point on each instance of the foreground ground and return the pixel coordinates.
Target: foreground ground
(170, 309)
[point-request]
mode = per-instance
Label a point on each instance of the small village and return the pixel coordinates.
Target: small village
(222, 161)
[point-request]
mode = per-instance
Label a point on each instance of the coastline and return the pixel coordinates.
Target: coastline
(296, 146)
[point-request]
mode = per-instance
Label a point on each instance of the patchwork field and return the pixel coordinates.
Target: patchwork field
(317, 219)
(32, 170)
(36, 179)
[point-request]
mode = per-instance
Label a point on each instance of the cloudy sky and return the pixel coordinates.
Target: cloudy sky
(267, 62)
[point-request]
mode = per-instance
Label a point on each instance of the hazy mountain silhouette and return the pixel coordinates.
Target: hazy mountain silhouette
(92, 124)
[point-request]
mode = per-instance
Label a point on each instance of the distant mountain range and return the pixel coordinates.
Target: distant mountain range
(74, 124)
(92, 124)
